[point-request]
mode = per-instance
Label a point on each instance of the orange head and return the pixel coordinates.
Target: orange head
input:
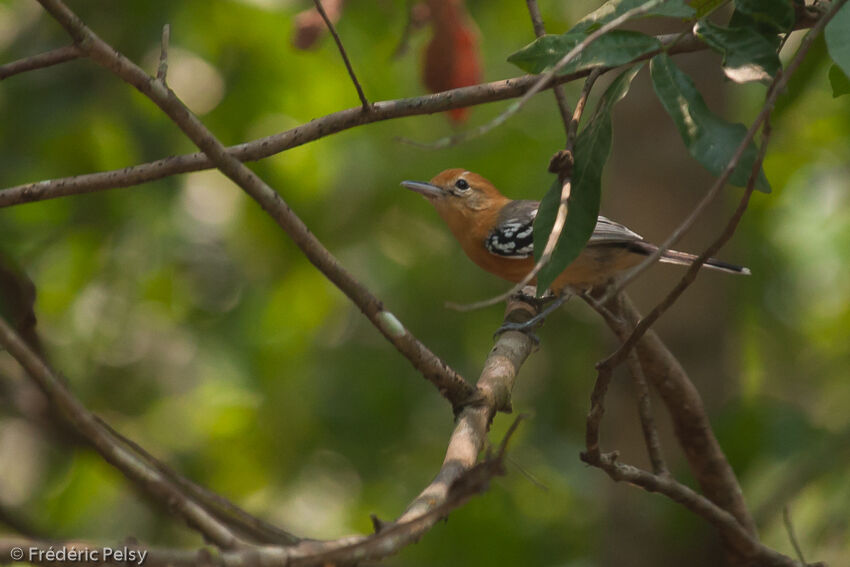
(460, 197)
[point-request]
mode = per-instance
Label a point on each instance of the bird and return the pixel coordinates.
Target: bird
(497, 233)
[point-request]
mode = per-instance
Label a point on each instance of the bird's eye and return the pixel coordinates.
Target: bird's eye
(462, 184)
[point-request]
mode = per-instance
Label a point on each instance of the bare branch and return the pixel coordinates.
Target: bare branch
(450, 384)
(647, 421)
(684, 404)
(160, 488)
(742, 541)
(342, 52)
(40, 61)
(162, 70)
(300, 135)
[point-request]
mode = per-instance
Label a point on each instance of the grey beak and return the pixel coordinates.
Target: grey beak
(426, 189)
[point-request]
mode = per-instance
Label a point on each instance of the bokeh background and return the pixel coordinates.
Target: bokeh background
(180, 313)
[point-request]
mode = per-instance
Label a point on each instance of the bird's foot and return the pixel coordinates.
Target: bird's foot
(555, 301)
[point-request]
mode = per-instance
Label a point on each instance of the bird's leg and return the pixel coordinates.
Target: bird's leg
(527, 326)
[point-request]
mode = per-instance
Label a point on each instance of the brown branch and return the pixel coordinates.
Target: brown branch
(160, 488)
(162, 69)
(647, 421)
(342, 52)
(40, 61)
(742, 541)
(560, 93)
(684, 404)
(494, 387)
(776, 88)
(300, 135)
(450, 384)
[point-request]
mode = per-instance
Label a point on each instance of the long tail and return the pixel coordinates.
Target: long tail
(685, 259)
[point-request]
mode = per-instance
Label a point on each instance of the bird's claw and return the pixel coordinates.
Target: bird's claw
(526, 328)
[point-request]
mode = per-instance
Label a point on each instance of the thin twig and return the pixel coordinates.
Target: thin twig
(162, 70)
(40, 61)
(693, 270)
(789, 527)
(342, 52)
(560, 93)
(647, 421)
(544, 79)
(300, 135)
(742, 541)
(775, 89)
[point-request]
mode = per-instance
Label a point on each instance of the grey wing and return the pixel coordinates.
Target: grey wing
(513, 236)
(610, 232)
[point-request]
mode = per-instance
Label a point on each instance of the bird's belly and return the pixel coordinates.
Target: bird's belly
(594, 266)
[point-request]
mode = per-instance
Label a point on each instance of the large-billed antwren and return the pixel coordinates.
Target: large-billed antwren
(496, 233)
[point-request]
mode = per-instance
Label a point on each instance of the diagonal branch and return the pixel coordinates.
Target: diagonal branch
(332, 29)
(450, 384)
(40, 61)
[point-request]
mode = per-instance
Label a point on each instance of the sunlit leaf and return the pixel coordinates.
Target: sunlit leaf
(837, 35)
(614, 48)
(710, 140)
(591, 151)
(747, 56)
(615, 8)
(839, 81)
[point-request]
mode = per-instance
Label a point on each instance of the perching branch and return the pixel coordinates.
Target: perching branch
(461, 476)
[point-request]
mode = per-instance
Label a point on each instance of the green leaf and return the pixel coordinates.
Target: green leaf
(591, 152)
(776, 16)
(705, 7)
(710, 140)
(747, 55)
(839, 81)
(614, 48)
(615, 8)
(837, 34)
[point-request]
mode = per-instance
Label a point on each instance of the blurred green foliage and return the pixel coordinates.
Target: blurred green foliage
(180, 313)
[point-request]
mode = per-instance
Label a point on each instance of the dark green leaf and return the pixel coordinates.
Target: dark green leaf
(837, 35)
(776, 16)
(710, 140)
(839, 81)
(591, 151)
(615, 8)
(747, 56)
(705, 7)
(614, 48)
